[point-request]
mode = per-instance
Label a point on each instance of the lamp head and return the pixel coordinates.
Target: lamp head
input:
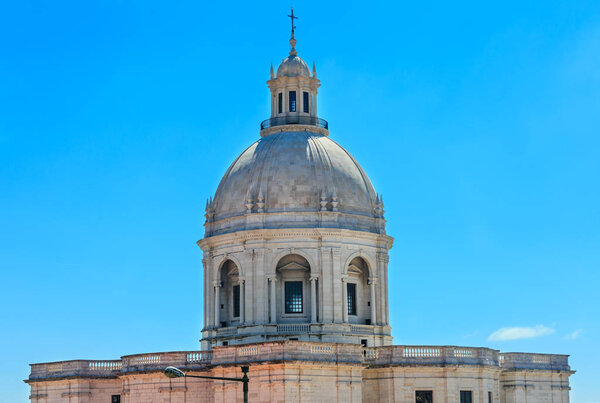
(173, 372)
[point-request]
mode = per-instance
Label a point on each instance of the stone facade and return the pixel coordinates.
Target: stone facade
(324, 260)
(296, 287)
(296, 371)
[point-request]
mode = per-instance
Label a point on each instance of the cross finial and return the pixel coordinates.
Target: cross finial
(293, 39)
(293, 17)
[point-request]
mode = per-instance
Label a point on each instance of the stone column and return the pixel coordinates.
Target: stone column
(273, 281)
(372, 282)
(242, 301)
(217, 287)
(313, 299)
(206, 288)
(344, 300)
(335, 274)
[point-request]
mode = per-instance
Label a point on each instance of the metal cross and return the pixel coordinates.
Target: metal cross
(293, 17)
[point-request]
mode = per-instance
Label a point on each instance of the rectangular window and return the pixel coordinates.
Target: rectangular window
(292, 95)
(280, 102)
(293, 297)
(305, 102)
(424, 396)
(466, 396)
(351, 288)
(115, 399)
(236, 301)
(490, 398)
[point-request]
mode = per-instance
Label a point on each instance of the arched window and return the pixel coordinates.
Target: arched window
(230, 295)
(293, 299)
(357, 292)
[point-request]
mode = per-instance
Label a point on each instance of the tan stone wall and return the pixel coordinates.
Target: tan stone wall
(301, 382)
(535, 386)
(296, 371)
(399, 384)
(315, 382)
(294, 382)
(75, 391)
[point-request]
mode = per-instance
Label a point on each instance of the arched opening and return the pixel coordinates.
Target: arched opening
(230, 295)
(293, 294)
(358, 293)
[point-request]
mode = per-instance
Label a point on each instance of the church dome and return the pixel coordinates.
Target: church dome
(292, 177)
(293, 66)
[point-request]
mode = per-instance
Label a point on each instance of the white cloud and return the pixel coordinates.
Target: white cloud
(516, 333)
(574, 335)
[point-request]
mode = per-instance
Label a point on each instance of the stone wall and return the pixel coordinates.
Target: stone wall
(298, 371)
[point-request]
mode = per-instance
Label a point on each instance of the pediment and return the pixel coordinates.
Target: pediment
(353, 269)
(293, 266)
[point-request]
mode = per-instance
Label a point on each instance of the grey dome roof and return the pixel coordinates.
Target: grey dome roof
(294, 172)
(293, 66)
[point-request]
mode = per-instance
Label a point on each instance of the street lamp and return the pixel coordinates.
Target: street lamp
(172, 372)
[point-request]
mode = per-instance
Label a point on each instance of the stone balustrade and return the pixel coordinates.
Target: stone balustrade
(288, 351)
(129, 363)
(291, 329)
(432, 355)
(518, 361)
(278, 351)
(63, 369)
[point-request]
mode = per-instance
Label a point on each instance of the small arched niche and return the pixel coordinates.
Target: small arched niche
(358, 293)
(230, 297)
(293, 290)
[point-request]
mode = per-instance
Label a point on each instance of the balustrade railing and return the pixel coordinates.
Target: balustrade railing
(293, 328)
(227, 331)
(435, 355)
(362, 329)
(535, 361)
(105, 366)
(91, 368)
(285, 350)
(203, 357)
(294, 120)
(303, 351)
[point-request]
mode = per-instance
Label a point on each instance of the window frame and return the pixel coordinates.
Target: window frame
(464, 394)
(305, 102)
(236, 302)
(280, 103)
(293, 102)
(352, 308)
(285, 297)
(429, 391)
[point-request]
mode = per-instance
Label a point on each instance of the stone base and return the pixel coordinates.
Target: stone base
(298, 371)
(374, 336)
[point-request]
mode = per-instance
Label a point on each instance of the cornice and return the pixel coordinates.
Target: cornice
(307, 233)
(294, 128)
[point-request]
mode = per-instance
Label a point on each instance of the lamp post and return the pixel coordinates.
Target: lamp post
(172, 372)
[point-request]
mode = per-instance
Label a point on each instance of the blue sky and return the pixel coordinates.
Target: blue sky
(479, 122)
